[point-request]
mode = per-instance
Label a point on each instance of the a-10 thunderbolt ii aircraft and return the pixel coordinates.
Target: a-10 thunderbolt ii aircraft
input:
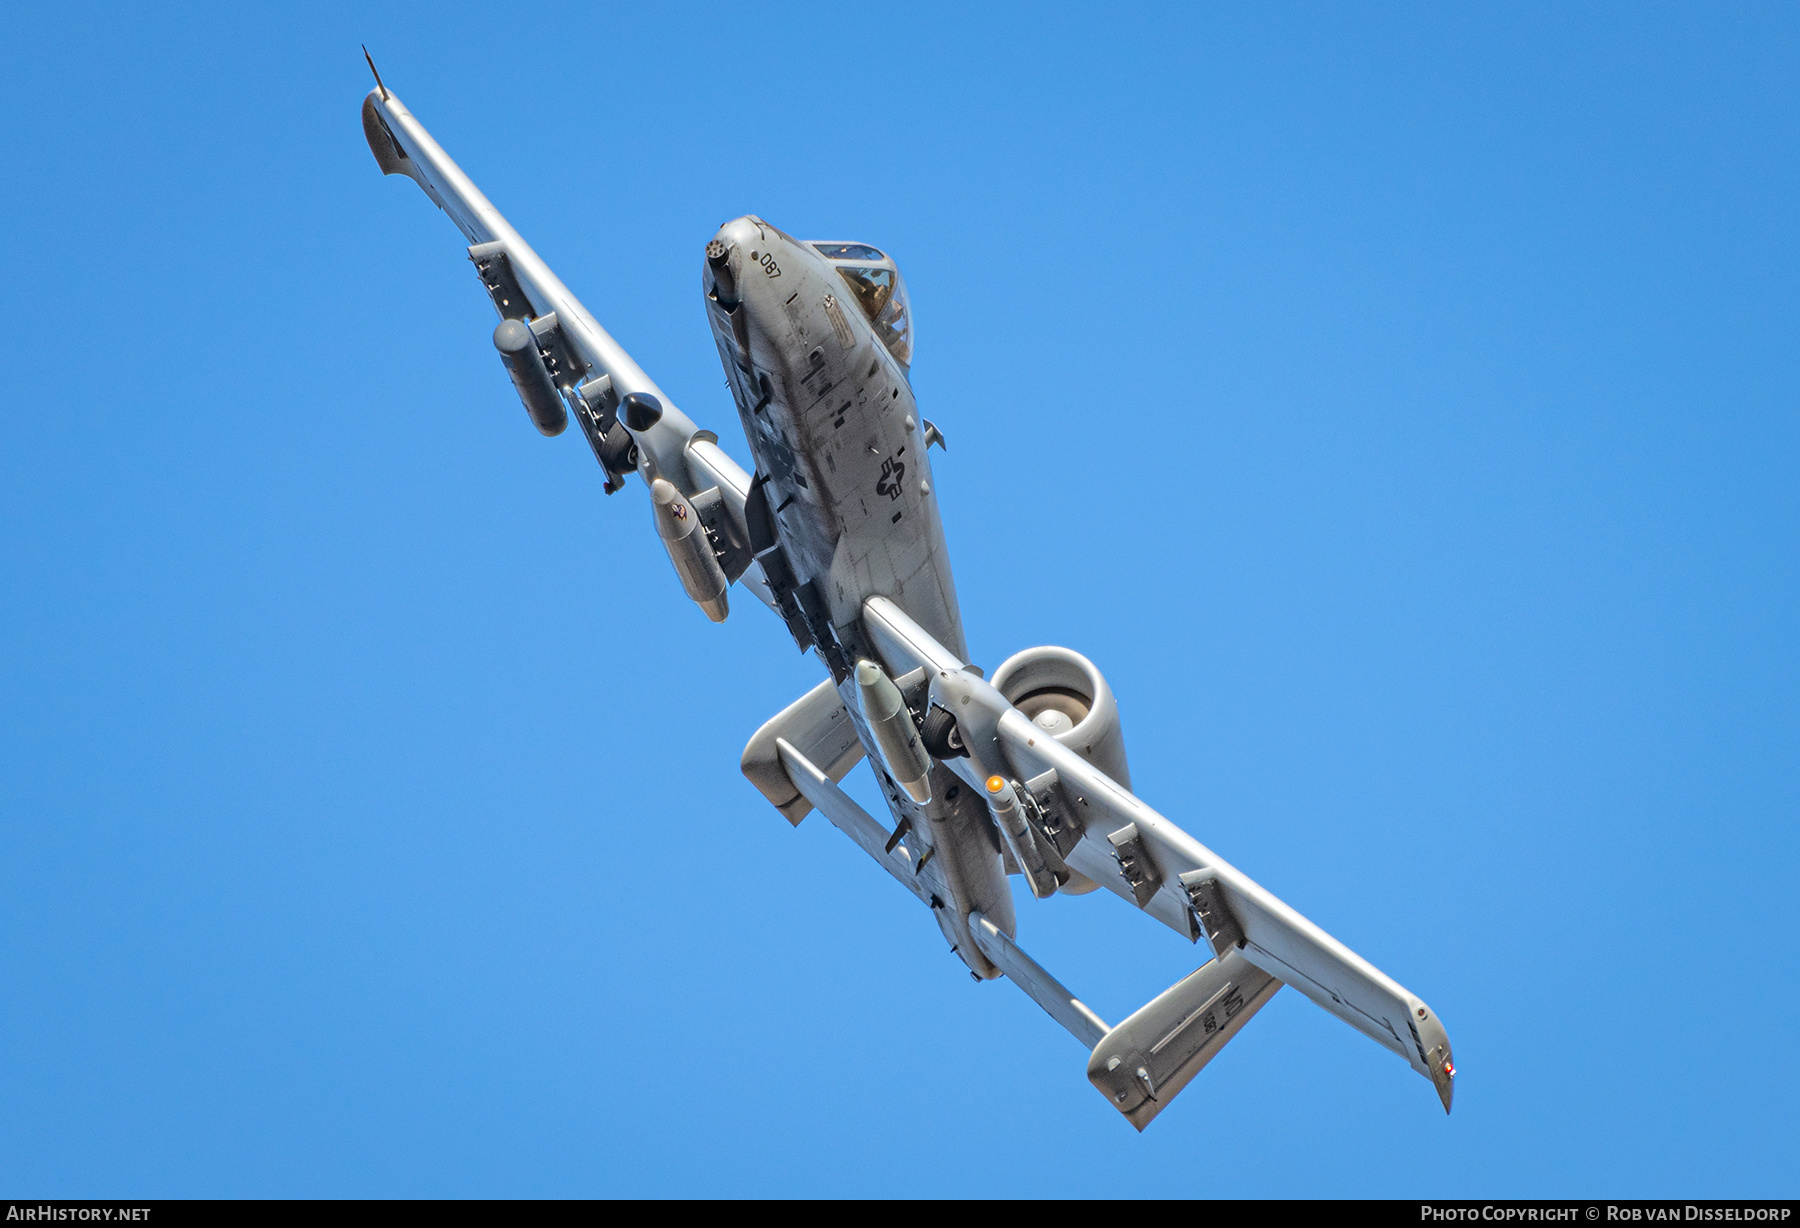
(837, 532)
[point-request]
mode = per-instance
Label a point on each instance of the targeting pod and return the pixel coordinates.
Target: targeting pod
(890, 722)
(690, 549)
(1003, 804)
(518, 347)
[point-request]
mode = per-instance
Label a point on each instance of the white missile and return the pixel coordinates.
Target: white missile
(690, 549)
(896, 735)
(1003, 804)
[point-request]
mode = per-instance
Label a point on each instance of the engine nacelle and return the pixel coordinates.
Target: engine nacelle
(1064, 695)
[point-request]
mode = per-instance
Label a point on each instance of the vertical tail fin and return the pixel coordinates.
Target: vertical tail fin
(1143, 1063)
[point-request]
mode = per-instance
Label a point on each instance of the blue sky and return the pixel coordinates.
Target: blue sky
(1397, 403)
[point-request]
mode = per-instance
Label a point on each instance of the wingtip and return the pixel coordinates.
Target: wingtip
(1443, 1073)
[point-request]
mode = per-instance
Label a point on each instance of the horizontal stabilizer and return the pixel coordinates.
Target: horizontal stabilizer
(1044, 989)
(1140, 1065)
(818, 726)
(922, 879)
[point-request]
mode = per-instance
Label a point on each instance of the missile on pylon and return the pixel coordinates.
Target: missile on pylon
(690, 549)
(885, 709)
(1003, 804)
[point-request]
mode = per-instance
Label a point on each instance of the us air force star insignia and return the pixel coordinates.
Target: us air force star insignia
(889, 482)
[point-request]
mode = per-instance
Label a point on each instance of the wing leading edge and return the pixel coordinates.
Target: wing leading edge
(592, 371)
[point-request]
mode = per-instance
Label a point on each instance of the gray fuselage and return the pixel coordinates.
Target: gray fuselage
(840, 456)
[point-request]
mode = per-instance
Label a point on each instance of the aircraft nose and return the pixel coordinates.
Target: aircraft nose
(739, 230)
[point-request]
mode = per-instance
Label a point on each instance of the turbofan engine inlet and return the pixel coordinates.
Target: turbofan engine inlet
(1062, 693)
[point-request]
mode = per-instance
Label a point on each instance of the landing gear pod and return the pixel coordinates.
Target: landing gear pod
(640, 410)
(518, 348)
(690, 549)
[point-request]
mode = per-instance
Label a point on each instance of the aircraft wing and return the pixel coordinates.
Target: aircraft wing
(1195, 892)
(1144, 857)
(586, 367)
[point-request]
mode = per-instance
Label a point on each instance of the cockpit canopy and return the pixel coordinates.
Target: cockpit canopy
(879, 290)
